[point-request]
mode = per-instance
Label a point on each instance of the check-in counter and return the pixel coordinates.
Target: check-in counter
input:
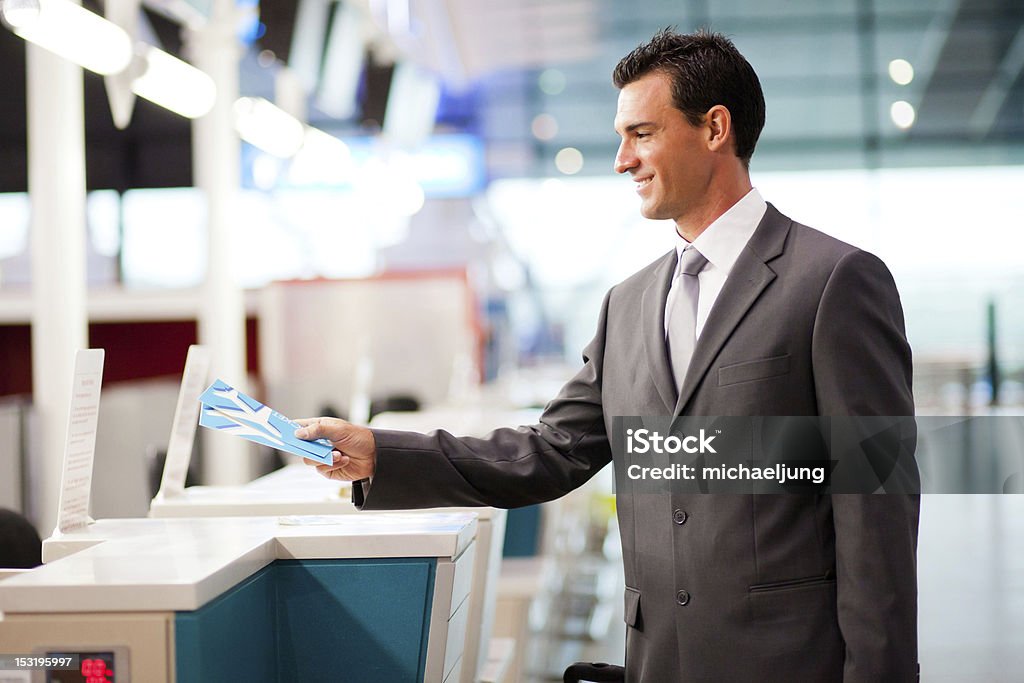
(299, 490)
(373, 597)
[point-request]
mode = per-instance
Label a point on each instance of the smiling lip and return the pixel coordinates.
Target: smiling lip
(643, 183)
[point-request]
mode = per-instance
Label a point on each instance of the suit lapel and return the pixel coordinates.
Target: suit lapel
(749, 277)
(652, 316)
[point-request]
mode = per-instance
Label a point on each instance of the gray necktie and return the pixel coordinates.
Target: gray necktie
(682, 322)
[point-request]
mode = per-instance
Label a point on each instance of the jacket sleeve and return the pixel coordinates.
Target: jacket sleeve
(508, 467)
(862, 367)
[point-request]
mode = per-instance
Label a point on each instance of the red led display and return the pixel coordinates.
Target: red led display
(97, 671)
(93, 667)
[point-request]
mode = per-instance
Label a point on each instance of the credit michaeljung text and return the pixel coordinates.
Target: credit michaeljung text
(664, 454)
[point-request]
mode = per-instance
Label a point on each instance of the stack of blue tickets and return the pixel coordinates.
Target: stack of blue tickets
(228, 410)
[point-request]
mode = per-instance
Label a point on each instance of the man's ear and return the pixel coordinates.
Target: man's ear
(718, 121)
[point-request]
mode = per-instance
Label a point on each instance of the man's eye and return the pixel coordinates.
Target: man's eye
(643, 135)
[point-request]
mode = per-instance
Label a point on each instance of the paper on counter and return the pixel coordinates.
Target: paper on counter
(183, 428)
(311, 520)
(80, 444)
(226, 409)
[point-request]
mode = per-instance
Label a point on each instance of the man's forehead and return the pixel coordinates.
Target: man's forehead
(650, 85)
(642, 98)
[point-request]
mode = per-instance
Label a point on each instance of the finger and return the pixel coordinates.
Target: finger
(337, 461)
(312, 428)
(336, 456)
(331, 428)
(317, 463)
(338, 473)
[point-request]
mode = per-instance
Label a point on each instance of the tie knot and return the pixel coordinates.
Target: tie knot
(691, 262)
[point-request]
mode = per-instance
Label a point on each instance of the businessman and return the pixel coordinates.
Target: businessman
(751, 314)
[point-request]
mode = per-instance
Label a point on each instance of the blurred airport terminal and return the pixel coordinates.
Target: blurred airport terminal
(404, 213)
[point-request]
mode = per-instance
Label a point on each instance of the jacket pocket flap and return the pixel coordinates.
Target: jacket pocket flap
(750, 370)
(632, 606)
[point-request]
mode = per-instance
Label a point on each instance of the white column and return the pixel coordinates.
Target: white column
(56, 184)
(216, 155)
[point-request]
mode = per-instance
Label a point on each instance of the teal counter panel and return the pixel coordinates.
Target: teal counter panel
(313, 620)
(230, 638)
(353, 621)
(522, 532)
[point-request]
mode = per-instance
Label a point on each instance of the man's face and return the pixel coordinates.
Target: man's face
(668, 158)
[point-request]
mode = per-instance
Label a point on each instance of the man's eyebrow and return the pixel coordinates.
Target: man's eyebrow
(633, 126)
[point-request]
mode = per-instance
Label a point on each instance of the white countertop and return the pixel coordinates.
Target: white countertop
(300, 476)
(133, 565)
(207, 501)
(295, 489)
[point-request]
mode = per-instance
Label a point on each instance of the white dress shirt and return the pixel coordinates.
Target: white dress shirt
(721, 244)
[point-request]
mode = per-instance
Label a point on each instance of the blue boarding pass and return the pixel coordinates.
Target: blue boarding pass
(228, 410)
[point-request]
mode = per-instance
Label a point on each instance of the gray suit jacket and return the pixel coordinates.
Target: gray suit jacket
(740, 587)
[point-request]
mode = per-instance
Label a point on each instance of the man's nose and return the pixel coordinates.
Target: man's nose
(625, 159)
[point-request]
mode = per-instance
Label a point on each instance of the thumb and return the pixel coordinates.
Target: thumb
(331, 428)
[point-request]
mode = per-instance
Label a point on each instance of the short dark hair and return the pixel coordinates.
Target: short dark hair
(706, 69)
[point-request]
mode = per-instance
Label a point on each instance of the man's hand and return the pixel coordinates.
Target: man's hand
(355, 455)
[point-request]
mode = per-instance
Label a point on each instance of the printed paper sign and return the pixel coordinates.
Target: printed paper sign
(186, 416)
(80, 447)
(226, 409)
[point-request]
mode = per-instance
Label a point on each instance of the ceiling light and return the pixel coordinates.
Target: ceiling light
(901, 71)
(544, 127)
(174, 84)
(268, 127)
(323, 160)
(18, 13)
(551, 81)
(68, 30)
(413, 99)
(569, 161)
(343, 62)
(902, 114)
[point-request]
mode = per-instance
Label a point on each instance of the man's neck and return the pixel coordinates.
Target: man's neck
(691, 226)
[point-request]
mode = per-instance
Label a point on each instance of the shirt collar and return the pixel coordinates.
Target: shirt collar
(723, 240)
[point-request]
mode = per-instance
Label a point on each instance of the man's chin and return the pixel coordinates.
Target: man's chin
(652, 213)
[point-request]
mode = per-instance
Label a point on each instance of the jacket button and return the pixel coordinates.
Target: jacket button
(679, 517)
(682, 597)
